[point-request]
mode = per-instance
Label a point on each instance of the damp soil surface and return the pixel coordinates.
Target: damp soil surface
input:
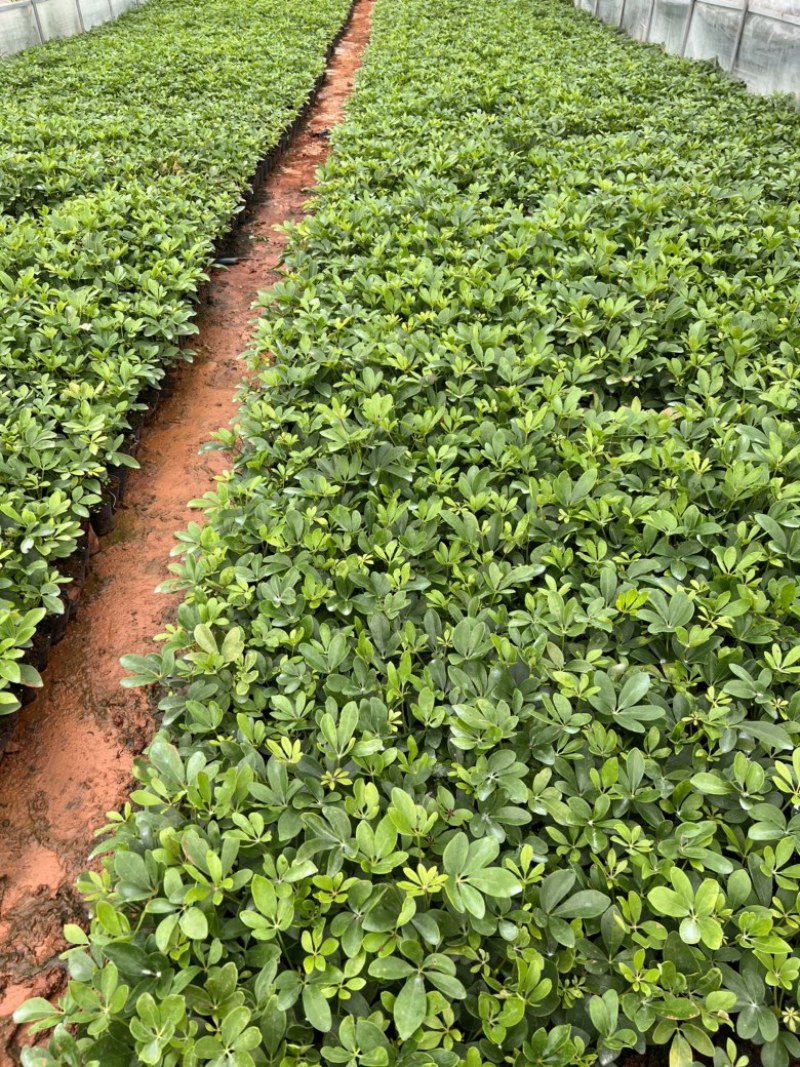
(69, 761)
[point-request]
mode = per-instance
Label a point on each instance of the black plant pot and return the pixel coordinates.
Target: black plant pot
(8, 724)
(136, 420)
(102, 518)
(82, 549)
(57, 624)
(74, 566)
(25, 694)
(130, 442)
(37, 655)
(117, 480)
(152, 398)
(169, 382)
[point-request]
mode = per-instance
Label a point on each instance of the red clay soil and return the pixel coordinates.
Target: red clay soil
(70, 759)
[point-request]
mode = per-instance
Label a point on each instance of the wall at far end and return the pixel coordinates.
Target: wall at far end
(757, 41)
(25, 23)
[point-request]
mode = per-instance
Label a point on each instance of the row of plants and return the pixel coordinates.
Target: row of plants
(480, 713)
(123, 155)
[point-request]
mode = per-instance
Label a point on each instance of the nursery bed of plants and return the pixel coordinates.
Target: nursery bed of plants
(123, 154)
(481, 708)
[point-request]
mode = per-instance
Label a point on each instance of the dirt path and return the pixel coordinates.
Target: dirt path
(70, 759)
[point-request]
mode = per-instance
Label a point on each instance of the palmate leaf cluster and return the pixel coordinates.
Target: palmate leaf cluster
(123, 154)
(480, 713)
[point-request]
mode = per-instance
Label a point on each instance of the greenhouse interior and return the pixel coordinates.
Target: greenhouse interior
(399, 533)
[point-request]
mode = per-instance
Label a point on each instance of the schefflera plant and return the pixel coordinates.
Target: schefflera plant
(104, 242)
(480, 712)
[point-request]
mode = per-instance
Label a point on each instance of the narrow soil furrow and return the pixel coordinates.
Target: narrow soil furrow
(70, 759)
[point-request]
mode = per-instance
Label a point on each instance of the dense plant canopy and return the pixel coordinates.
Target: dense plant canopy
(123, 154)
(480, 712)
